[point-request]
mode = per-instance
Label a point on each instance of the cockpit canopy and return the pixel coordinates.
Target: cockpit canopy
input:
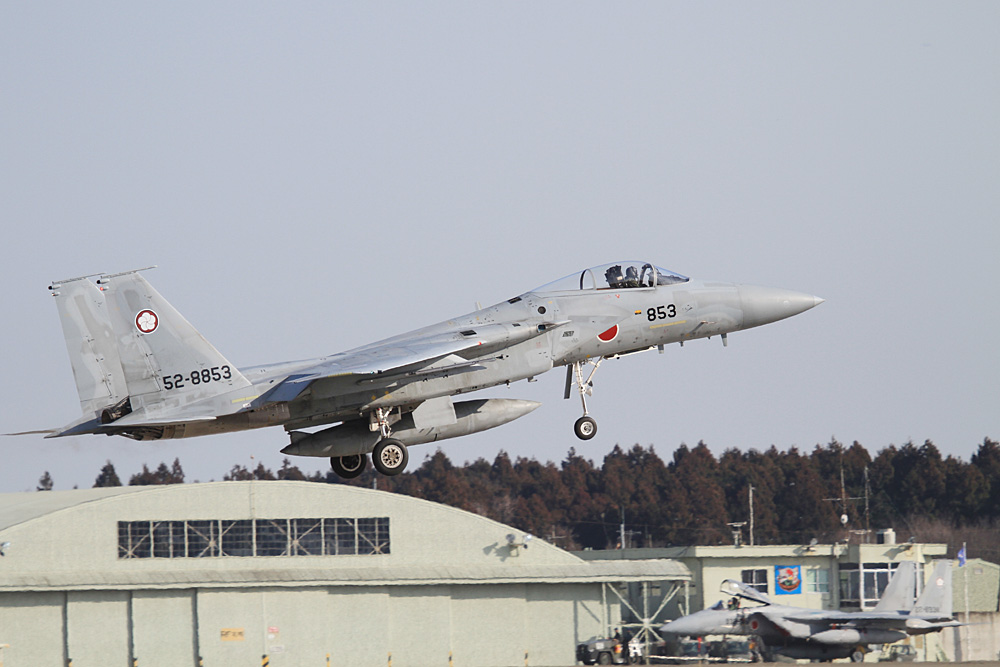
(617, 275)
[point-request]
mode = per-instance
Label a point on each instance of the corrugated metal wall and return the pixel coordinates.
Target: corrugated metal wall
(477, 625)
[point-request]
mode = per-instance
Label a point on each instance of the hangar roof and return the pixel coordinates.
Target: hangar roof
(17, 508)
(175, 536)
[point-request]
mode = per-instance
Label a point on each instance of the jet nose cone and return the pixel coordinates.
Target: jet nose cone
(762, 305)
(706, 621)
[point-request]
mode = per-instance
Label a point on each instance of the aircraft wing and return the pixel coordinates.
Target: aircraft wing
(881, 620)
(413, 355)
(856, 619)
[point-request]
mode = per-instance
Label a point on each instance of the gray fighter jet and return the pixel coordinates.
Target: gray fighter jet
(811, 634)
(142, 371)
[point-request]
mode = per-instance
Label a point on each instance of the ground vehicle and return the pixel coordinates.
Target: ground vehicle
(898, 653)
(609, 652)
(688, 651)
(731, 650)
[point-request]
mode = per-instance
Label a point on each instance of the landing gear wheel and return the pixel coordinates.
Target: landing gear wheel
(585, 428)
(349, 467)
(390, 456)
(858, 656)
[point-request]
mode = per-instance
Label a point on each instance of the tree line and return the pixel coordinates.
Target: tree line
(832, 493)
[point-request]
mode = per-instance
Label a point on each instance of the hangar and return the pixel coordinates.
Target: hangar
(292, 573)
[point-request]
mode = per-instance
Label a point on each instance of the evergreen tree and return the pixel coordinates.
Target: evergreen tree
(919, 485)
(44, 482)
(696, 472)
(107, 476)
(803, 514)
(967, 492)
(290, 472)
(987, 461)
(240, 473)
(162, 475)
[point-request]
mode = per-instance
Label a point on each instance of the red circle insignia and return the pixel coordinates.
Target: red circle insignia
(146, 321)
(609, 335)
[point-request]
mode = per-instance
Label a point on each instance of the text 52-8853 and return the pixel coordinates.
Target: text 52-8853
(196, 377)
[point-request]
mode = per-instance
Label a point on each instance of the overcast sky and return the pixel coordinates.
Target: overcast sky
(312, 177)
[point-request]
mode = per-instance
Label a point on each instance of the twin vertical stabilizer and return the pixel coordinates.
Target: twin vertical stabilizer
(163, 357)
(131, 351)
(90, 340)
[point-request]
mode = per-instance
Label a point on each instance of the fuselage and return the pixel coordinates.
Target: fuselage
(584, 316)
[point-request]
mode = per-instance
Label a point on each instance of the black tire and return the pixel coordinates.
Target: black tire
(390, 456)
(585, 428)
(858, 656)
(349, 467)
(604, 658)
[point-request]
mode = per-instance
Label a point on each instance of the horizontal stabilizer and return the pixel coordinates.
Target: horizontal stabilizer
(85, 424)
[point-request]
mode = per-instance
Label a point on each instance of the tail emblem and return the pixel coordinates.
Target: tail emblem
(146, 321)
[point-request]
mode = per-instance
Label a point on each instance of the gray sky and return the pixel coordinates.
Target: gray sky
(313, 177)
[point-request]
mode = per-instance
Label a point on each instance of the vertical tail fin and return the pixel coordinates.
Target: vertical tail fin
(166, 362)
(936, 600)
(898, 595)
(90, 341)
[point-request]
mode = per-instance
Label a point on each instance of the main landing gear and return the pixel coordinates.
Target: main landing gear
(585, 427)
(389, 456)
(349, 466)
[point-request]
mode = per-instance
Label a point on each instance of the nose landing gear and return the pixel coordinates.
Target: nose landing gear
(585, 427)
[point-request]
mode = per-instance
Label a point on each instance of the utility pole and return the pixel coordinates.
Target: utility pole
(964, 563)
(843, 500)
(751, 515)
(621, 528)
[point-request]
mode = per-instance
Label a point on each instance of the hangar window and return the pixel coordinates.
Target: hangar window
(373, 536)
(306, 537)
(202, 539)
(134, 539)
(236, 538)
(253, 537)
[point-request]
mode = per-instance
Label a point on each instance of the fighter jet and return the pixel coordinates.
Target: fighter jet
(800, 633)
(144, 372)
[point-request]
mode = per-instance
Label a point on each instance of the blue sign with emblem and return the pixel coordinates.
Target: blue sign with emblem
(787, 579)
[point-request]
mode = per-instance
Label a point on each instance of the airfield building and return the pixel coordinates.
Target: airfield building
(226, 573)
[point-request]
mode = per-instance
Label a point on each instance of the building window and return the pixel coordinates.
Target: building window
(756, 579)
(213, 538)
(818, 580)
(861, 585)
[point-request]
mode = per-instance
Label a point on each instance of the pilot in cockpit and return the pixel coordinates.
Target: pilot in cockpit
(614, 276)
(631, 277)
